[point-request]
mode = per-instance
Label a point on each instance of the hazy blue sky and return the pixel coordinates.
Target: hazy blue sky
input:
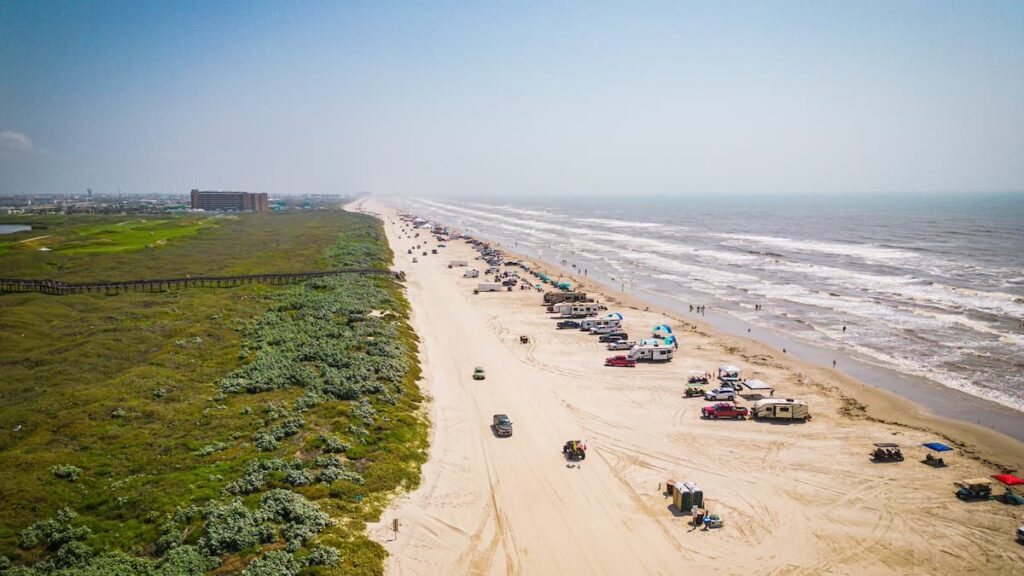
(512, 97)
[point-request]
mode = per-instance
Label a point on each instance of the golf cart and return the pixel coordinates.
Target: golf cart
(887, 452)
(974, 489)
(575, 450)
(694, 390)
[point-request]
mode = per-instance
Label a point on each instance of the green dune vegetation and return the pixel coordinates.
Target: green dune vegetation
(247, 430)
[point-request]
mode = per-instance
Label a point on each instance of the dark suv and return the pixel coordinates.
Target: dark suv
(613, 337)
(502, 426)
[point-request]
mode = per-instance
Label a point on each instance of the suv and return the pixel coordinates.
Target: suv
(502, 426)
(620, 360)
(721, 394)
(567, 324)
(613, 337)
(479, 374)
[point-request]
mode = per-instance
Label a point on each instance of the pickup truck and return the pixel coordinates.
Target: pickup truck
(567, 324)
(724, 410)
(613, 337)
(620, 360)
(621, 345)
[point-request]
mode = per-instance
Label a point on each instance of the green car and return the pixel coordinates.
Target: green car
(478, 373)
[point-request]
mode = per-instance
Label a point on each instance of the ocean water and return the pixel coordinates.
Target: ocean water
(927, 285)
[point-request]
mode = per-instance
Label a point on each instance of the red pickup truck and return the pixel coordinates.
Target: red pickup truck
(620, 361)
(724, 410)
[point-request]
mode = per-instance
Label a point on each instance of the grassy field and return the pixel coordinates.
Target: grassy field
(148, 414)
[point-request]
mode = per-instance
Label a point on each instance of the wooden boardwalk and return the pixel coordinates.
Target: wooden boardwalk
(160, 284)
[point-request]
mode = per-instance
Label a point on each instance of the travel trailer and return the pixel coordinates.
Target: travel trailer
(781, 409)
(471, 274)
(577, 309)
(605, 325)
(488, 287)
(652, 353)
(457, 263)
(559, 297)
(586, 325)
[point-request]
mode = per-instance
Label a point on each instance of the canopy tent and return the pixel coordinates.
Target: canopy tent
(1009, 479)
(564, 286)
(613, 316)
(670, 341)
(758, 385)
(937, 446)
(661, 329)
(729, 368)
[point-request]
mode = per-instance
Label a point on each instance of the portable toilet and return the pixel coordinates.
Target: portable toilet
(681, 497)
(696, 494)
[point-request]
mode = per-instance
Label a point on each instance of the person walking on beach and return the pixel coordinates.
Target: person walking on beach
(844, 328)
(833, 363)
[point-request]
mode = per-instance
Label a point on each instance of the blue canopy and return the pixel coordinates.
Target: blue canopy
(664, 328)
(937, 446)
(614, 316)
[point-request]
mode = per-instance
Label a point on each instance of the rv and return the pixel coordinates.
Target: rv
(781, 409)
(559, 297)
(488, 287)
(605, 325)
(577, 310)
(457, 263)
(471, 274)
(652, 353)
(586, 325)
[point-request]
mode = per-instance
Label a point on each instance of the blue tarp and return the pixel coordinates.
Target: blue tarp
(937, 446)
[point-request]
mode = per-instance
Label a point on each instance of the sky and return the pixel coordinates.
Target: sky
(511, 98)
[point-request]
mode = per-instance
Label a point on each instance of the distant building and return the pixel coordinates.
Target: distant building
(210, 200)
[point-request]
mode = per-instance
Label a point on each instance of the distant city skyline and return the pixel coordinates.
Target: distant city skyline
(531, 99)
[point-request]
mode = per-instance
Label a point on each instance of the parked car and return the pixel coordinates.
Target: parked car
(613, 337)
(567, 324)
(414, 260)
(409, 251)
(479, 374)
(721, 394)
(621, 345)
(724, 410)
(501, 425)
(620, 360)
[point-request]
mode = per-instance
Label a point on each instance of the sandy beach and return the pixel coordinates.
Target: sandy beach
(795, 498)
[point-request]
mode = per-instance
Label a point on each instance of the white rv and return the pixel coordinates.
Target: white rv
(577, 309)
(471, 274)
(642, 352)
(588, 324)
(780, 409)
(605, 325)
(488, 287)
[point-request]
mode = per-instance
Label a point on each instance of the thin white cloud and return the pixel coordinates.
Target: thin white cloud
(16, 141)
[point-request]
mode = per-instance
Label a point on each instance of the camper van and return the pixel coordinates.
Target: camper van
(471, 274)
(781, 409)
(652, 353)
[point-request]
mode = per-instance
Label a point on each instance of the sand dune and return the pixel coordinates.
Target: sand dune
(796, 499)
